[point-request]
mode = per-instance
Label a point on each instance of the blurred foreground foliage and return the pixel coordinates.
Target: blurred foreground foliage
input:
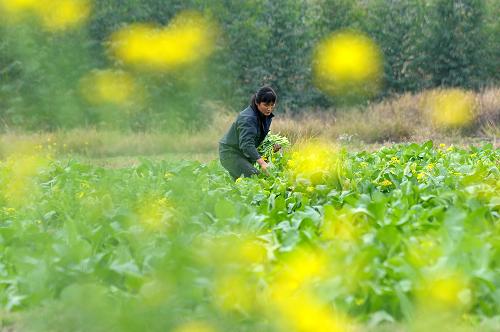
(407, 234)
(425, 44)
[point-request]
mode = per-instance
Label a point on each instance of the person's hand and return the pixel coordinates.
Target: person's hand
(276, 148)
(263, 165)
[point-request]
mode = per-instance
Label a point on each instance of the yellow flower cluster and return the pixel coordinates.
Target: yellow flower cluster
(314, 162)
(450, 107)
(156, 214)
(348, 62)
(292, 296)
(109, 87)
(445, 291)
(386, 183)
(188, 39)
(395, 161)
(54, 15)
(18, 179)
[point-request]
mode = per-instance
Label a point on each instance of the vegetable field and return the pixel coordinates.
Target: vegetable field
(404, 238)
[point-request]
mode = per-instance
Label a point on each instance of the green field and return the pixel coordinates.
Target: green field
(403, 238)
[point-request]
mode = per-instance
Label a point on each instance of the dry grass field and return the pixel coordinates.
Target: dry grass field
(398, 119)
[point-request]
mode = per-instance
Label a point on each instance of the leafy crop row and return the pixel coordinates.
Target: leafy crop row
(404, 233)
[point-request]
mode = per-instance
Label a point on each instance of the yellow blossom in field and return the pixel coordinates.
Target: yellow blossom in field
(54, 15)
(442, 145)
(155, 214)
(109, 87)
(304, 313)
(430, 167)
(386, 183)
(195, 326)
(451, 107)
(395, 160)
(19, 176)
(314, 162)
(420, 176)
(63, 14)
(338, 225)
(15, 6)
(189, 38)
(346, 63)
(444, 291)
(297, 271)
(235, 292)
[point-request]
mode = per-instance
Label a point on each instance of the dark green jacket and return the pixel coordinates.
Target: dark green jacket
(246, 134)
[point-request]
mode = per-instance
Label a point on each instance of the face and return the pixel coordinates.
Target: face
(265, 108)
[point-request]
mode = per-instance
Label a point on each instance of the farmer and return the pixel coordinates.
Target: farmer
(238, 148)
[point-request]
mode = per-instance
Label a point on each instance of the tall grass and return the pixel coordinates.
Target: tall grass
(397, 119)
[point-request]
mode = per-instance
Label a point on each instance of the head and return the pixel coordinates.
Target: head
(264, 100)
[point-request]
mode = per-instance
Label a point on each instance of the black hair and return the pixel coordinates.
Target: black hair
(264, 95)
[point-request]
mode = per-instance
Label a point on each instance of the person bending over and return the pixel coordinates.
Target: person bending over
(238, 147)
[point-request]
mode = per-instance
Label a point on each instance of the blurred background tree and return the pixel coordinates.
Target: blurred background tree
(425, 44)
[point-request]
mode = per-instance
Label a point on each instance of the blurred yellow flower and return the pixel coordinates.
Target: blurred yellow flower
(450, 107)
(348, 62)
(444, 291)
(314, 162)
(339, 225)
(304, 313)
(109, 87)
(63, 14)
(20, 174)
(189, 38)
(155, 214)
(297, 271)
(54, 15)
(195, 326)
(235, 292)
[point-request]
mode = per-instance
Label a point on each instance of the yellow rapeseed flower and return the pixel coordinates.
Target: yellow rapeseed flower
(314, 162)
(395, 160)
(155, 214)
(195, 326)
(450, 107)
(53, 15)
(234, 292)
(444, 291)
(109, 87)
(303, 312)
(63, 14)
(189, 38)
(348, 62)
(386, 183)
(20, 172)
(339, 225)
